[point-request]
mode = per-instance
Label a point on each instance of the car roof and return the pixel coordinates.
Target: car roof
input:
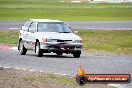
(45, 20)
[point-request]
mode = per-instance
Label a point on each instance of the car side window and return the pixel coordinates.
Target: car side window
(32, 27)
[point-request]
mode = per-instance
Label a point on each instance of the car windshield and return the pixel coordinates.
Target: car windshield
(53, 27)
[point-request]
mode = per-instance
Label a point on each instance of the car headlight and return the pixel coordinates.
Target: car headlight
(52, 40)
(44, 40)
(77, 41)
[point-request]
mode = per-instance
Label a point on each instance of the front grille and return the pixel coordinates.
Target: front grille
(59, 47)
(63, 40)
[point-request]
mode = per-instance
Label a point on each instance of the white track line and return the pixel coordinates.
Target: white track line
(76, 1)
(13, 28)
(13, 48)
(116, 85)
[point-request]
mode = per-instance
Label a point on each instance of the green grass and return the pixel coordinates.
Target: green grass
(116, 41)
(9, 38)
(53, 9)
(55, 79)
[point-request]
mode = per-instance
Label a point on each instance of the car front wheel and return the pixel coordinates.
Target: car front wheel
(38, 51)
(77, 54)
(22, 49)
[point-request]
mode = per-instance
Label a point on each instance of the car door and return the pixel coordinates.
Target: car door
(24, 30)
(31, 35)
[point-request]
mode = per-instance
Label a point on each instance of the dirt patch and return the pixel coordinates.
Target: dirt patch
(11, 78)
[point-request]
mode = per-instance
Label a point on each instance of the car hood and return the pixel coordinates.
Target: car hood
(60, 36)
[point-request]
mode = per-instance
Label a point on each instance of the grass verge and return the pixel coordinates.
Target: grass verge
(61, 81)
(11, 78)
(116, 41)
(54, 9)
(9, 37)
(53, 79)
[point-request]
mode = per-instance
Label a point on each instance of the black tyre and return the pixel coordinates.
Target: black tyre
(81, 80)
(38, 51)
(77, 54)
(59, 53)
(22, 49)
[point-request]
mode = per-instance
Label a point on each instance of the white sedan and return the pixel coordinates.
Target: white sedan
(46, 36)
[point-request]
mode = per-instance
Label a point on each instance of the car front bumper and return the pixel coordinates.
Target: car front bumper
(61, 47)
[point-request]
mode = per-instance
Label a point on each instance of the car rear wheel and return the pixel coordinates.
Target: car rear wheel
(22, 49)
(38, 51)
(77, 54)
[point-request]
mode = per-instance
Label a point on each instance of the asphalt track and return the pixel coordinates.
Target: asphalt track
(107, 25)
(66, 64)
